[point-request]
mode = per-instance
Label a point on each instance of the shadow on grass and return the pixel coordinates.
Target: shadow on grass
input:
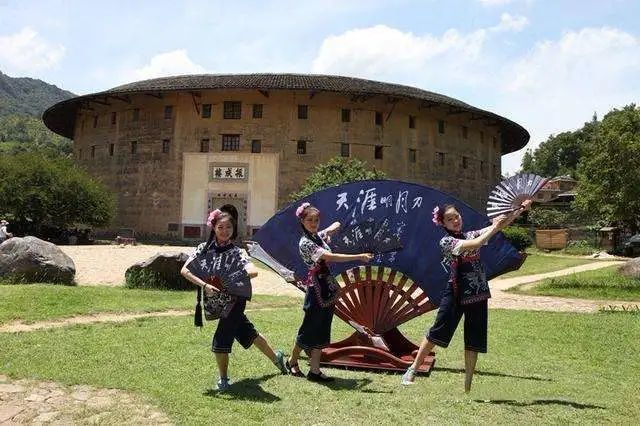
(350, 384)
(515, 403)
(246, 390)
(493, 374)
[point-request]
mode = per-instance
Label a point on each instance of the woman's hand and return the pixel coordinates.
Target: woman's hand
(333, 228)
(526, 204)
(209, 289)
(502, 221)
(365, 257)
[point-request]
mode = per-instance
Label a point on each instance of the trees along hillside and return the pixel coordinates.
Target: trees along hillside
(609, 170)
(29, 134)
(604, 156)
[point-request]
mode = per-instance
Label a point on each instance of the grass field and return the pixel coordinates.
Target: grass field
(604, 283)
(541, 368)
(539, 264)
(38, 302)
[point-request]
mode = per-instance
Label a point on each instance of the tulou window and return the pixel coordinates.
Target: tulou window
(232, 110)
(301, 148)
(231, 142)
(206, 110)
(303, 112)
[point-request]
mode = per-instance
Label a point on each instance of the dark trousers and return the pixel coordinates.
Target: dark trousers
(315, 331)
(235, 326)
(448, 317)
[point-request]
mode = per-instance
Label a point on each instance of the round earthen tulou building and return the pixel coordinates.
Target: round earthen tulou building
(172, 148)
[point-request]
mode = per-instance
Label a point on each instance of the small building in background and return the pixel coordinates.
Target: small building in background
(558, 192)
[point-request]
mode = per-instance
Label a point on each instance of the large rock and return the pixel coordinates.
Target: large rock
(161, 271)
(31, 260)
(631, 268)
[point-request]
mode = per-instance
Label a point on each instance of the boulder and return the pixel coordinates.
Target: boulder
(631, 268)
(161, 271)
(32, 260)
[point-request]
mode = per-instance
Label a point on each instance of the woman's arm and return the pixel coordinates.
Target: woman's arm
(251, 270)
(499, 223)
(479, 241)
(185, 272)
(331, 229)
(340, 258)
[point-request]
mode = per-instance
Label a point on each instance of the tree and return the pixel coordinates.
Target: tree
(28, 134)
(558, 155)
(40, 192)
(609, 171)
(336, 171)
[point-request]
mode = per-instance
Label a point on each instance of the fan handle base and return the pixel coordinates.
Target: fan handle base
(390, 352)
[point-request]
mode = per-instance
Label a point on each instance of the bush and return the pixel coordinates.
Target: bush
(548, 218)
(146, 279)
(519, 237)
(580, 247)
(39, 193)
(336, 171)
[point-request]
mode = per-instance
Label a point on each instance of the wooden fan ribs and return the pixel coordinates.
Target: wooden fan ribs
(375, 306)
(379, 304)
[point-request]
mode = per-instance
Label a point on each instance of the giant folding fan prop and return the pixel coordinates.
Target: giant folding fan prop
(392, 219)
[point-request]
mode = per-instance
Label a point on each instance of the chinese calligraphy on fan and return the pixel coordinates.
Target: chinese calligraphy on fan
(364, 230)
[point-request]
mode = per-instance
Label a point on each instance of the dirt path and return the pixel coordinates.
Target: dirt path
(19, 326)
(501, 299)
(106, 265)
(32, 402)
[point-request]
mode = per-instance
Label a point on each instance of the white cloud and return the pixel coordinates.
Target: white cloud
(559, 84)
(511, 23)
(494, 2)
(383, 50)
(579, 59)
(554, 87)
(165, 64)
(436, 61)
(26, 52)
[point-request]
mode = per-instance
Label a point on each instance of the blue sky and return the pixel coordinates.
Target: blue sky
(549, 65)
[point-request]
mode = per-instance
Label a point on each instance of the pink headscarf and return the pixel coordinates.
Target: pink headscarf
(301, 208)
(435, 217)
(213, 216)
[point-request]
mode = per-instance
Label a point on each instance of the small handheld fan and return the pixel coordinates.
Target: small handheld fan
(228, 266)
(509, 194)
(367, 237)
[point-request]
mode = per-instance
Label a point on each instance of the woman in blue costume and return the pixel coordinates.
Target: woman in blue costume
(467, 291)
(322, 291)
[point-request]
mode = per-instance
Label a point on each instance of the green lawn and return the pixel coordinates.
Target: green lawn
(36, 302)
(604, 283)
(541, 368)
(539, 264)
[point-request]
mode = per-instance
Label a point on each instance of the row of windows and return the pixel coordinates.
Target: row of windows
(232, 110)
(464, 163)
(232, 143)
(133, 148)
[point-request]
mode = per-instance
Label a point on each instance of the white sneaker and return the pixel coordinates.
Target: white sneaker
(223, 384)
(408, 376)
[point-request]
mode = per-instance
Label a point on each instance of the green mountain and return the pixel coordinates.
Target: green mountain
(22, 102)
(28, 96)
